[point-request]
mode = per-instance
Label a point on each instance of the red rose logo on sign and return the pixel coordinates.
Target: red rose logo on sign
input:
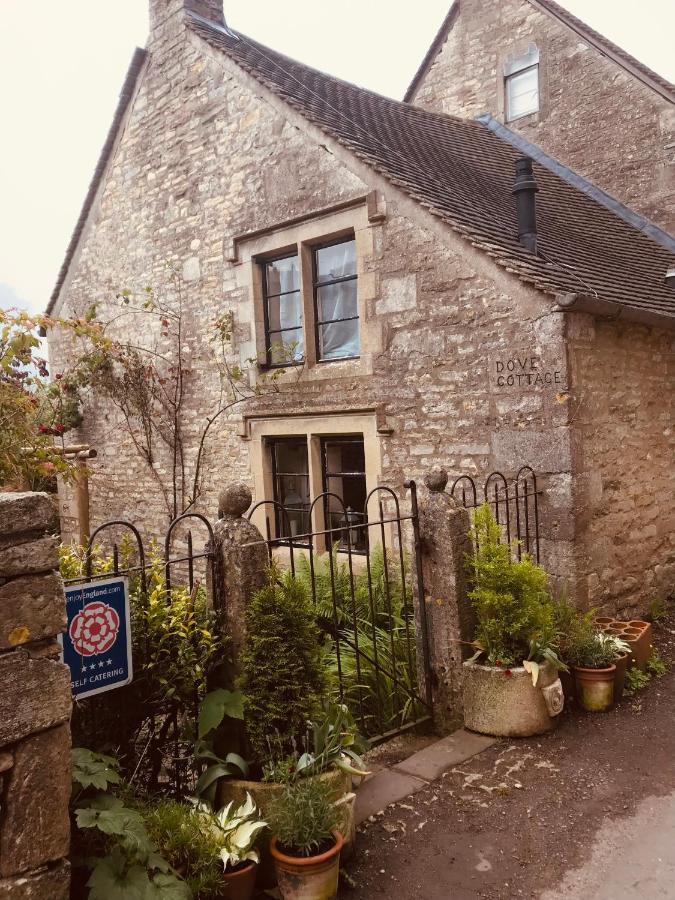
(94, 629)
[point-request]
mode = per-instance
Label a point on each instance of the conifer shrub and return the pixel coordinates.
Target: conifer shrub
(514, 609)
(283, 678)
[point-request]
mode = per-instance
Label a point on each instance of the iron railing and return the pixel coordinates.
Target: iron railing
(376, 636)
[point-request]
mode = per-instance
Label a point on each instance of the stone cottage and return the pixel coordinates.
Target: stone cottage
(440, 300)
(564, 87)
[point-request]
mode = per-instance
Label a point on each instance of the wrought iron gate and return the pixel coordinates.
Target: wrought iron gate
(363, 581)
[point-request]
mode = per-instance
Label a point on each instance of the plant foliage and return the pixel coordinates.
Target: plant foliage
(513, 606)
(283, 679)
(303, 817)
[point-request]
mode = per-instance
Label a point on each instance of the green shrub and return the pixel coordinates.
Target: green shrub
(283, 679)
(514, 610)
(658, 609)
(303, 817)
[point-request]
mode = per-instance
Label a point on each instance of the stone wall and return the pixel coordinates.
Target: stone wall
(594, 116)
(206, 156)
(35, 705)
(623, 414)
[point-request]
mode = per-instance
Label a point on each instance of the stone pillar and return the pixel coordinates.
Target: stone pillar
(444, 534)
(35, 705)
(240, 569)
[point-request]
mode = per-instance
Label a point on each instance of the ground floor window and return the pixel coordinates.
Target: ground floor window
(343, 476)
(343, 465)
(290, 474)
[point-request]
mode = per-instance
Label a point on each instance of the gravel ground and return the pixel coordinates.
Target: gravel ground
(510, 822)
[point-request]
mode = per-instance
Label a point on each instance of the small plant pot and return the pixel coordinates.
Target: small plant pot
(595, 688)
(311, 877)
(240, 882)
(621, 663)
(603, 622)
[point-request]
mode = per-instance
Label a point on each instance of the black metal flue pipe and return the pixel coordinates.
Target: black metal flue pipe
(525, 188)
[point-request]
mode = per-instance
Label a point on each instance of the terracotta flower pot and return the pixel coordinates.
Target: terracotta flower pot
(595, 688)
(240, 883)
(308, 877)
(264, 793)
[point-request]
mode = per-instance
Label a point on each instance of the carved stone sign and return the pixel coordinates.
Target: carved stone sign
(524, 370)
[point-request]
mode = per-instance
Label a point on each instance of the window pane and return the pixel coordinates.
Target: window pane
(291, 457)
(336, 301)
(286, 347)
(284, 311)
(522, 93)
(336, 261)
(339, 340)
(282, 275)
(291, 487)
(346, 457)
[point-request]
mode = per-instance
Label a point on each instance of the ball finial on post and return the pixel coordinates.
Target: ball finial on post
(436, 480)
(234, 500)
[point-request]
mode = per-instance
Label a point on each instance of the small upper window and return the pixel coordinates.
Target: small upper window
(521, 83)
(335, 301)
(283, 311)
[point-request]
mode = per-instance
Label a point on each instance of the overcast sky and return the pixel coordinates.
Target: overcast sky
(62, 63)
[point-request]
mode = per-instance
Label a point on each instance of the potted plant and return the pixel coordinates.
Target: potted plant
(213, 852)
(237, 830)
(306, 842)
(593, 657)
(511, 684)
(282, 684)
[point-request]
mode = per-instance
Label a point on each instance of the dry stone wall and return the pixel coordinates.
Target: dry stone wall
(594, 116)
(35, 705)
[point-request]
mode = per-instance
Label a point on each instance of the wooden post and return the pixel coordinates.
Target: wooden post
(82, 498)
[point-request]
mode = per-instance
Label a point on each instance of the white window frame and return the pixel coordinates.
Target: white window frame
(515, 68)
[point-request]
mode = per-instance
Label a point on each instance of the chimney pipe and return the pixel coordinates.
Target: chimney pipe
(525, 187)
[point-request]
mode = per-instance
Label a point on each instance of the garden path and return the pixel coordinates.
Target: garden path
(587, 811)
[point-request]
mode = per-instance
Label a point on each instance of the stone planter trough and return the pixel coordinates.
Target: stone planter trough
(510, 705)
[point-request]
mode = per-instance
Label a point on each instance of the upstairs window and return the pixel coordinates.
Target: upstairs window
(335, 301)
(521, 83)
(284, 339)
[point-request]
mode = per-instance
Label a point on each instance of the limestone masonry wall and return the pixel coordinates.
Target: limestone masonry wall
(594, 116)
(623, 412)
(35, 705)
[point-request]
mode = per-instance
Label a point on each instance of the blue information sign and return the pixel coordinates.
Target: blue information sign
(97, 642)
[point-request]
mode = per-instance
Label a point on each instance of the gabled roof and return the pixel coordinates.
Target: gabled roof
(127, 92)
(588, 34)
(463, 173)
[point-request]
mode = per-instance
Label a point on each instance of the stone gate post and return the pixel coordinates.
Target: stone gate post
(240, 569)
(35, 705)
(445, 546)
